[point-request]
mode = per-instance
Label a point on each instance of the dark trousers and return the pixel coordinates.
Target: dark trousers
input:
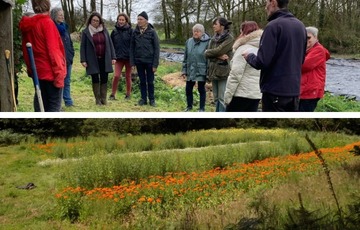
(308, 105)
(273, 103)
(242, 104)
(51, 97)
(189, 93)
(146, 77)
(103, 76)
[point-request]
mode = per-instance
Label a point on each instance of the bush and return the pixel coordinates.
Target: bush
(7, 137)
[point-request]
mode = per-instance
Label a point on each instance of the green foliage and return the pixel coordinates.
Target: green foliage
(8, 137)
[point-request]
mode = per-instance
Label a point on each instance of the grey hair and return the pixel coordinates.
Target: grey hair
(313, 30)
(199, 27)
(54, 12)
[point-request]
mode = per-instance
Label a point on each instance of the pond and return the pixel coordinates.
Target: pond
(343, 75)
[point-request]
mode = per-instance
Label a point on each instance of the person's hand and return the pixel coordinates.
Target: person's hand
(113, 61)
(183, 75)
(154, 69)
(245, 54)
(224, 57)
(84, 64)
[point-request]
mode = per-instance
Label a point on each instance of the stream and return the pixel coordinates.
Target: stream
(343, 75)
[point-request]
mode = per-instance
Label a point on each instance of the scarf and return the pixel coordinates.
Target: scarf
(94, 30)
(61, 28)
(142, 29)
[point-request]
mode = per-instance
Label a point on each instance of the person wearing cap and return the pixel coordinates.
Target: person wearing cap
(313, 72)
(144, 54)
(49, 54)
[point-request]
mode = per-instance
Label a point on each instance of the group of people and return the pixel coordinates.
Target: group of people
(283, 66)
(99, 51)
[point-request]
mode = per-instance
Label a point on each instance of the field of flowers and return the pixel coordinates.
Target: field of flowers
(210, 179)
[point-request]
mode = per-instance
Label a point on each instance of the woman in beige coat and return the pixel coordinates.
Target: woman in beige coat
(242, 92)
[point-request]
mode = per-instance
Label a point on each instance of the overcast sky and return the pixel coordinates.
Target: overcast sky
(138, 7)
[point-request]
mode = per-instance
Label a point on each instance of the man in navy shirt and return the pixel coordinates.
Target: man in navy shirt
(280, 57)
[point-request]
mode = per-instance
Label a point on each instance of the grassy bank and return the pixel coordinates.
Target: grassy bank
(187, 180)
(168, 99)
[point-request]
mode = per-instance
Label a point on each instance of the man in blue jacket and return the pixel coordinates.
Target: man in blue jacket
(280, 57)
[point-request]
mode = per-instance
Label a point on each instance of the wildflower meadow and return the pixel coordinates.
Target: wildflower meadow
(208, 179)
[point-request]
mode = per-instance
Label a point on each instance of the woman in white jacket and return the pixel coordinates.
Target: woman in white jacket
(242, 92)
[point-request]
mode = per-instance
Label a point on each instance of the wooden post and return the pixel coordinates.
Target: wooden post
(6, 43)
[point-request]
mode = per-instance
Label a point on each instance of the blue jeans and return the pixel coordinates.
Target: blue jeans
(219, 87)
(51, 97)
(66, 92)
(146, 77)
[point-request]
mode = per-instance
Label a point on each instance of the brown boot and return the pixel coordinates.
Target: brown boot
(96, 91)
(103, 93)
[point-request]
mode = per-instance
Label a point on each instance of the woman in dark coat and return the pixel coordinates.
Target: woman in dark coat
(57, 15)
(121, 38)
(97, 55)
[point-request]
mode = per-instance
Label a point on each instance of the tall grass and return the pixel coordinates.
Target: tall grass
(137, 157)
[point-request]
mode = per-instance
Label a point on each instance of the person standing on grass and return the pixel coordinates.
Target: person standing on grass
(194, 67)
(57, 15)
(280, 57)
(121, 37)
(313, 72)
(219, 54)
(49, 54)
(145, 54)
(242, 92)
(97, 55)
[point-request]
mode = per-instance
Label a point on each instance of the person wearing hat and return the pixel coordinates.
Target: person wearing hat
(144, 54)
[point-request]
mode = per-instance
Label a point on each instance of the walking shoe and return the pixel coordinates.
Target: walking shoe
(188, 109)
(201, 110)
(152, 103)
(142, 102)
(112, 97)
(127, 97)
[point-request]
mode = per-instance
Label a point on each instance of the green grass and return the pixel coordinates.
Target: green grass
(39, 208)
(168, 99)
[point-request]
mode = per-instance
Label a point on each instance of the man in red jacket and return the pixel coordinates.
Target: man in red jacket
(313, 72)
(49, 54)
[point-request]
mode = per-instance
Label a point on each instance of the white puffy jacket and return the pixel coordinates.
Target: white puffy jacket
(243, 80)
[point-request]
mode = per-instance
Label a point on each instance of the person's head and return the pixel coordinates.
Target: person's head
(41, 6)
(220, 24)
(198, 30)
(312, 36)
(247, 27)
(274, 5)
(57, 14)
(122, 19)
(142, 19)
(95, 20)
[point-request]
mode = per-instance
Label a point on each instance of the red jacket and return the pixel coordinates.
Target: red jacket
(314, 72)
(49, 53)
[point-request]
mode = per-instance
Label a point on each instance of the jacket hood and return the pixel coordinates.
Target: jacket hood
(252, 38)
(27, 23)
(205, 37)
